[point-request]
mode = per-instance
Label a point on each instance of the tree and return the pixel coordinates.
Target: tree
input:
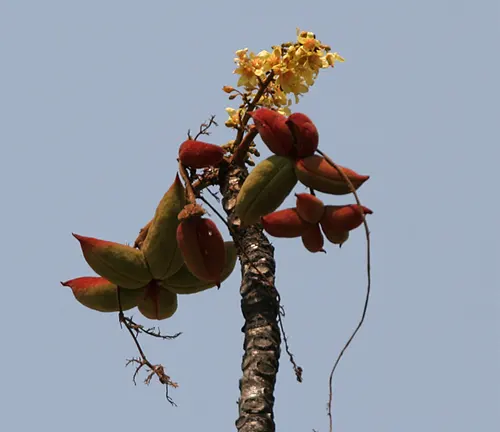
(181, 251)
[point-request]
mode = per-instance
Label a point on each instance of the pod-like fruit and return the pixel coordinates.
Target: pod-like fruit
(316, 173)
(160, 248)
(185, 282)
(285, 223)
(344, 218)
(309, 207)
(101, 295)
(313, 239)
(305, 134)
(265, 189)
(202, 248)
(118, 263)
(157, 303)
(273, 130)
(335, 237)
(199, 154)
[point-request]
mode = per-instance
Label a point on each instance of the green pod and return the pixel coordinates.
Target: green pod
(265, 189)
(160, 248)
(118, 263)
(184, 282)
(157, 302)
(101, 295)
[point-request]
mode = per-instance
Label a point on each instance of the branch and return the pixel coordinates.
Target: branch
(241, 151)
(251, 106)
(142, 361)
(191, 196)
(204, 127)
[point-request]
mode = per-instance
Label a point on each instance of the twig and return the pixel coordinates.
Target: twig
(297, 369)
(251, 106)
(368, 287)
(157, 370)
(209, 178)
(204, 127)
(214, 195)
(241, 151)
(191, 196)
(151, 331)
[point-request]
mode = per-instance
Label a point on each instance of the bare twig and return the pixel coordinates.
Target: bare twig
(157, 370)
(241, 151)
(204, 127)
(150, 331)
(368, 287)
(297, 369)
(251, 106)
(191, 196)
(208, 178)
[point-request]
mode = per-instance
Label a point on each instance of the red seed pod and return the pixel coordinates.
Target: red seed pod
(198, 154)
(309, 207)
(344, 218)
(305, 134)
(313, 239)
(284, 223)
(316, 173)
(202, 248)
(274, 131)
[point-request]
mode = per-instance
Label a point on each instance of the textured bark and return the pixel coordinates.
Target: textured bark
(260, 307)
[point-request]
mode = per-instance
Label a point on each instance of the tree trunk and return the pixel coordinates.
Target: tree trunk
(260, 307)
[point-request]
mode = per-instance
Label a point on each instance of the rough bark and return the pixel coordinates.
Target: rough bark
(260, 307)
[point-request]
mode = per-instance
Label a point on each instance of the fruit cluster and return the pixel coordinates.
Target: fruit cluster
(180, 252)
(294, 140)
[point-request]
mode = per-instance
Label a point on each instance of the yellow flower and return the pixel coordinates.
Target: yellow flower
(251, 67)
(302, 36)
(274, 59)
(285, 111)
(295, 65)
(279, 97)
(234, 117)
(330, 59)
(292, 83)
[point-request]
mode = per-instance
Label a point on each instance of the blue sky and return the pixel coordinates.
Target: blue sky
(95, 98)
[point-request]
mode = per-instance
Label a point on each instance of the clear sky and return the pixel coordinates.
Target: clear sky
(95, 98)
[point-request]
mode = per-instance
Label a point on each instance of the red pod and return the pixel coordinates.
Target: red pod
(309, 207)
(198, 154)
(316, 173)
(274, 131)
(202, 248)
(284, 223)
(345, 218)
(313, 239)
(305, 134)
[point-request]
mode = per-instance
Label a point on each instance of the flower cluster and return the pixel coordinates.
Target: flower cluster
(294, 68)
